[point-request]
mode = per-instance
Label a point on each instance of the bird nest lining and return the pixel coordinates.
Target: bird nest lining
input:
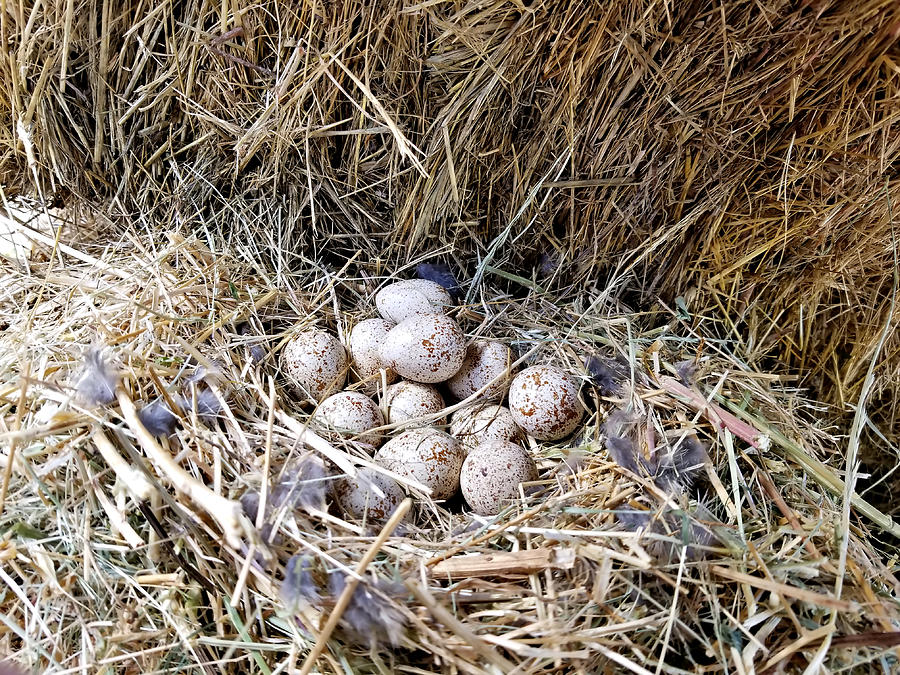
(698, 520)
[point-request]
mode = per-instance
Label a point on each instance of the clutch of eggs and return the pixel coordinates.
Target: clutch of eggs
(482, 455)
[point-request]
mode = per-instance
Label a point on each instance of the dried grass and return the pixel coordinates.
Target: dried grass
(650, 183)
(111, 566)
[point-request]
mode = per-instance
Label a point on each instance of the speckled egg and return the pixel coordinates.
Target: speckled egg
(407, 401)
(364, 341)
(426, 455)
(544, 402)
(473, 426)
(315, 362)
(485, 360)
(350, 414)
(412, 297)
(428, 348)
(358, 497)
(491, 475)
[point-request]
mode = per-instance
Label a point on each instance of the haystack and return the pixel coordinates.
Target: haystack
(641, 185)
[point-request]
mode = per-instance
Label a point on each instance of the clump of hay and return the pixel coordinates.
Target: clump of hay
(115, 557)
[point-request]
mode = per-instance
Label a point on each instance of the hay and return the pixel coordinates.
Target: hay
(738, 154)
(651, 183)
(114, 566)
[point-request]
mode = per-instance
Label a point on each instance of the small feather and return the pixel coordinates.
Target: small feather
(370, 618)
(158, 418)
(573, 462)
(257, 353)
(98, 381)
(691, 455)
(620, 447)
(208, 404)
(686, 371)
(299, 589)
(632, 519)
(305, 483)
(603, 374)
(250, 504)
(440, 274)
(679, 467)
(547, 264)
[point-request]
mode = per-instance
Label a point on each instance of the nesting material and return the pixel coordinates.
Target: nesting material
(612, 211)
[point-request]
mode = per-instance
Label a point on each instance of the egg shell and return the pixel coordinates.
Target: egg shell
(491, 475)
(428, 456)
(544, 402)
(473, 426)
(427, 349)
(407, 401)
(350, 414)
(412, 297)
(485, 360)
(363, 343)
(359, 498)
(315, 362)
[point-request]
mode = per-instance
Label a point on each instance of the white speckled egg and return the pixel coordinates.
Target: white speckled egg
(485, 360)
(491, 474)
(359, 498)
(410, 400)
(412, 297)
(315, 362)
(427, 455)
(364, 341)
(428, 348)
(473, 426)
(350, 414)
(544, 402)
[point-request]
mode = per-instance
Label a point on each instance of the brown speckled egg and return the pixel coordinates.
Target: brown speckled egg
(544, 402)
(473, 426)
(410, 400)
(412, 297)
(315, 362)
(428, 348)
(491, 474)
(363, 343)
(350, 414)
(427, 455)
(485, 360)
(359, 498)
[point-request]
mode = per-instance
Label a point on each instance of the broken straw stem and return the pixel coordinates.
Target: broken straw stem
(226, 512)
(131, 477)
